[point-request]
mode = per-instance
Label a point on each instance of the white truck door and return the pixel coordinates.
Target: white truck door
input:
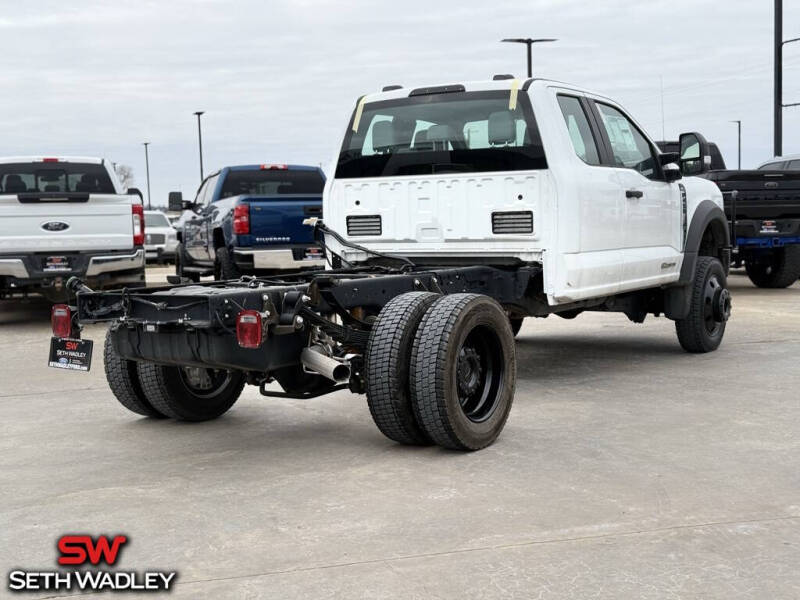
(651, 205)
(588, 261)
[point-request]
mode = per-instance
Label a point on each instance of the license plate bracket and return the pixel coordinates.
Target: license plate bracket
(69, 353)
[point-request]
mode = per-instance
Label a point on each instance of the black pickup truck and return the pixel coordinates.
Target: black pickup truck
(762, 206)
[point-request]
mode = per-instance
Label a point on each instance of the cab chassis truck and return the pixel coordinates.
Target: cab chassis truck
(455, 211)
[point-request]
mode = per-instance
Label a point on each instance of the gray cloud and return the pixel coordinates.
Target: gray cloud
(278, 79)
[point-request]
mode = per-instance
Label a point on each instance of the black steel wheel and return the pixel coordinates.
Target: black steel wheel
(703, 328)
(463, 371)
(387, 362)
(190, 393)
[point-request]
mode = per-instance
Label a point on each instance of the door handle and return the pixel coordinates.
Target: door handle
(634, 193)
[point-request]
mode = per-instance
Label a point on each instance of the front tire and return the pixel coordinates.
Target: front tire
(190, 393)
(387, 367)
(704, 326)
(463, 371)
(123, 379)
(781, 271)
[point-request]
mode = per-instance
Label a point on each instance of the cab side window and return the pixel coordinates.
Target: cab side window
(579, 131)
(629, 146)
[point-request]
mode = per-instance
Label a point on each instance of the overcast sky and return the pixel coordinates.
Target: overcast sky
(278, 79)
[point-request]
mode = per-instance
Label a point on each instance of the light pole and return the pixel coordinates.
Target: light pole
(529, 42)
(200, 141)
(739, 129)
(778, 104)
(147, 170)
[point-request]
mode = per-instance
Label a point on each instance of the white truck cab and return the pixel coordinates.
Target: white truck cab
(513, 172)
(63, 216)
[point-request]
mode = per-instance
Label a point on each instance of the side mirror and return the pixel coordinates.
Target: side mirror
(187, 205)
(695, 156)
(136, 192)
(175, 203)
(672, 172)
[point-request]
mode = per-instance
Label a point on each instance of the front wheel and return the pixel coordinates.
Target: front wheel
(463, 371)
(704, 326)
(190, 393)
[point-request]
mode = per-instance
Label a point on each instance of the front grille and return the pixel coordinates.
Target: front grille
(512, 222)
(364, 225)
(154, 238)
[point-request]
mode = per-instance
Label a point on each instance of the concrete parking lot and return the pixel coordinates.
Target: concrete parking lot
(628, 469)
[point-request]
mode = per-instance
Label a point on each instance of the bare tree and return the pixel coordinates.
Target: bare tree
(125, 175)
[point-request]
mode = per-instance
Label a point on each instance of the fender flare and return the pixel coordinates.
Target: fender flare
(677, 298)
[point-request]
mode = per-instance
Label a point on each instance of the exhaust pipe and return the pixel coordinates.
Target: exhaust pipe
(314, 359)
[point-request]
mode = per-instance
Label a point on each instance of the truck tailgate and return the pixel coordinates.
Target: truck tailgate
(103, 222)
(762, 194)
(279, 219)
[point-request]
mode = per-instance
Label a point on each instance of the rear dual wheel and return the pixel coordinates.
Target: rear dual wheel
(441, 369)
(780, 269)
(184, 393)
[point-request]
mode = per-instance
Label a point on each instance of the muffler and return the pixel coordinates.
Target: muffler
(315, 359)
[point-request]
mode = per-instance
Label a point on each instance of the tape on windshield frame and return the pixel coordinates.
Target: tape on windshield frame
(359, 110)
(512, 98)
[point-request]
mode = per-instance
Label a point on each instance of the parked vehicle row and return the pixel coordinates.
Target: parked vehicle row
(453, 213)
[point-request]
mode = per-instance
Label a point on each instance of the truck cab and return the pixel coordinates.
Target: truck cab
(249, 219)
(511, 173)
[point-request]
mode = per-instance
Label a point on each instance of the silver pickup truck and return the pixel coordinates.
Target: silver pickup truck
(65, 216)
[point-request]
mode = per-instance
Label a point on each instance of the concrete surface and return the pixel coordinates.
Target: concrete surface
(628, 469)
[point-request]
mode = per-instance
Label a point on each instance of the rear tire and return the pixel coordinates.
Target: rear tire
(181, 260)
(190, 393)
(123, 379)
(780, 272)
(463, 371)
(224, 266)
(388, 359)
(704, 326)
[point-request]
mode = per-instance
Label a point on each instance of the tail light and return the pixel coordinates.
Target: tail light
(241, 219)
(248, 329)
(137, 214)
(61, 320)
(274, 167)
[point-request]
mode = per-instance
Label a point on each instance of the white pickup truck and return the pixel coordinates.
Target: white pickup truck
(65, 216)
(454, 212)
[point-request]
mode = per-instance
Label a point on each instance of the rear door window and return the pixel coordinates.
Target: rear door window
(629, 146)
(580, 133)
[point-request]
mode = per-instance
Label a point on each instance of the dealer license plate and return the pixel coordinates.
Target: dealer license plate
(66, 353)
(56, 263)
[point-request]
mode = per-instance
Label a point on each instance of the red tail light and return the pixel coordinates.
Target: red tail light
(274, 167)
(241, 219)
(137, 214)
(49, 160)
(248, 329)
(61, 320)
